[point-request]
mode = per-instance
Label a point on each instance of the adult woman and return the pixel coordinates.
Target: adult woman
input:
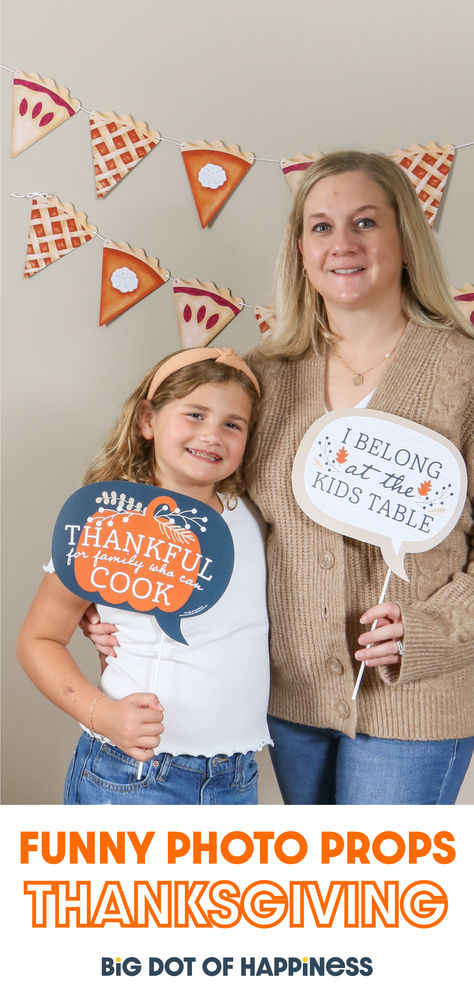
(365, 317)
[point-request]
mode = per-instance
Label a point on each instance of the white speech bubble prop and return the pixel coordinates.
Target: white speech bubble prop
(381, 479)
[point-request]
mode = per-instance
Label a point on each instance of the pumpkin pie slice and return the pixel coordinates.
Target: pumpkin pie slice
(128, 275)
(39, 106)
(203, 310)
(55, 229)
(464, 297)
(266, 319)
(214, 170)
(293, 169)
(427, 166)
(118, 144)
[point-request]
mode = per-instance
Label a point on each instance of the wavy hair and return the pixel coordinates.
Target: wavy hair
(127, 455)
(426, 300)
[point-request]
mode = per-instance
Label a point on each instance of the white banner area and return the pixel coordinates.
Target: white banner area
(242, 896)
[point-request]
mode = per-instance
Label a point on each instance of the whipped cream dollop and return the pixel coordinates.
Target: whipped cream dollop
(124, 280)
(212, 176)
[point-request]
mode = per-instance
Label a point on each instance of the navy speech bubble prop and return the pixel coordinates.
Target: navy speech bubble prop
(143, 548)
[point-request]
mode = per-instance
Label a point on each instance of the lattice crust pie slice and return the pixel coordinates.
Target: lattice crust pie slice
(128, 275)
(203, 310)
(464, 297)
(293, 169)
(428, 168)
(39, 106)
(214, 170)
(118, 144)
(266, 319)
(55, 229)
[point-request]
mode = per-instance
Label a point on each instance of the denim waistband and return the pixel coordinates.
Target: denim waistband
(161, 763)
(210, 766)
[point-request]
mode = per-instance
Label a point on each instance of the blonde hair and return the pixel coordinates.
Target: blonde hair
(127, 455)
(426, 300)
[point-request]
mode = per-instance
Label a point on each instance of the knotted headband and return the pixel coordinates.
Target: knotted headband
(190, 356)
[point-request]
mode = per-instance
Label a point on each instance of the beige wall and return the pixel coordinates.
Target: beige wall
(277, 78)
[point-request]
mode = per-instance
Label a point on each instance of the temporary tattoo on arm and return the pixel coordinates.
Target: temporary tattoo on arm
(67, 689)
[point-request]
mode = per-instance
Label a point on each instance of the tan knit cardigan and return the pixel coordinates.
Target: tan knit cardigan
(319, 582)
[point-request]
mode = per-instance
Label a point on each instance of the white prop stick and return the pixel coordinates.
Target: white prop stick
(374, 626)
(157, 670)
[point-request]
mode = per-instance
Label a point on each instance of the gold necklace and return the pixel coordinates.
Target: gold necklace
(358, 378)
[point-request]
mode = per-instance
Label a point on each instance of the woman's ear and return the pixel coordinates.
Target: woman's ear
(145, 420)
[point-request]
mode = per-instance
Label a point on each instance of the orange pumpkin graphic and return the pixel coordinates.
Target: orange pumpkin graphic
(136, 558)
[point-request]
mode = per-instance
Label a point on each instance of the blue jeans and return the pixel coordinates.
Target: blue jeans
(323, 767)
(101, 774)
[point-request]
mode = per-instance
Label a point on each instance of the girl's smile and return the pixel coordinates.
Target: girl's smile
(199, 439)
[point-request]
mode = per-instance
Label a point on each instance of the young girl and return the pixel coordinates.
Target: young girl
(188, 735)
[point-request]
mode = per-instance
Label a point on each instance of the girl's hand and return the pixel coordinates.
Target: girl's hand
(134, 723)
(100, 633)
(384, 638)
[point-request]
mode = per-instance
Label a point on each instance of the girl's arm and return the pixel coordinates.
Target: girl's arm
(134, 723)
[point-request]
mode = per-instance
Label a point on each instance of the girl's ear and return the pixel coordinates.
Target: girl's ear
(145, 420)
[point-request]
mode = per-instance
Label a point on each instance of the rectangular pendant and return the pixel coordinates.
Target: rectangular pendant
(358, 379)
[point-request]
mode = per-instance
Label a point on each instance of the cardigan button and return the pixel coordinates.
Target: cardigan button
(326, 560)
(343, 709)
(336, 667)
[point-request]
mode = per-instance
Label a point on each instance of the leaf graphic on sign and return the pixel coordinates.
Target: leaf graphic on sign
(424, 488)
(342, 455)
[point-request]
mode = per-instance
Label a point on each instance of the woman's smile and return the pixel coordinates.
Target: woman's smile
(348, 272)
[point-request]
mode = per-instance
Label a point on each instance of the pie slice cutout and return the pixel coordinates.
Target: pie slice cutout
(293, 169)
(203, 310)
(214, 170)
(118, 144)
(266, 319)
(428, 168)
(464, 297)
(39, 106)
(55, 229)
(128, 275)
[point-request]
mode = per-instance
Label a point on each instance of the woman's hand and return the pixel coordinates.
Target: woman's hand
(134, 723)
(384, 639)
(101, 634)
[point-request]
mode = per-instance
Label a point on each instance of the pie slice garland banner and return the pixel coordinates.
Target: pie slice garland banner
(203, 310)
(293, 169)
(118, 144)
(427, 166)
(39, 106)
(464, 297)
(266, 319)
(214, 170)
(128, 275)
(55, 229)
